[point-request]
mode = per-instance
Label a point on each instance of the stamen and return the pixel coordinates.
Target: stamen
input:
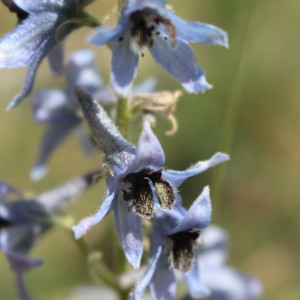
(144, 24)
(135, 188)
(182, 250)
(165, 194)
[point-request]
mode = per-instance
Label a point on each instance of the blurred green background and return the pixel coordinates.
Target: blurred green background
(252, 113)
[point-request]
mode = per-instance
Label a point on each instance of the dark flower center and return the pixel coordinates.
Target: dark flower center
(136, 189)
(144, 23)
(21, 14)
(182, 254)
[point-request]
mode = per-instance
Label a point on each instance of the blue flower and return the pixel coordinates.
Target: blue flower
(23, 221)
(222, 282)
(19, 230)
(136, 180)
(58, 110)
(149, 24)
(45, 24)
(172, 242)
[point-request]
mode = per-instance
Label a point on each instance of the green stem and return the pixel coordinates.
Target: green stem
(90, 20)
(106, 276)
(82, 246)
(102, 273)
(123, 116)
(97, 266)
(234, 103)
(136, 107)
(93, 22)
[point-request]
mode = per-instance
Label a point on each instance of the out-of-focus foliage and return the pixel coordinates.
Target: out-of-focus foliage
(252, 113)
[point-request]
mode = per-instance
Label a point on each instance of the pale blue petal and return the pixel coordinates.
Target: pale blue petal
(145, 280)
(197, 32)
(163, 284)
(87, 223)
(82, 70)
(133, 5)
(21, 287)
(228, 284)
(37, 6)
(38, 172)
(199, 214)
(196, 288)
(54, 135)
(28, 45)
(168, 219)
(177, 213)
(46, 105)
(179, 61)
(56, 59)
(225, 283)
(149, 152)
(200, 85)
(104, 34)
(18, 262)
(30, 76)
(22, 236)
(24, 44)
(213, 251)
(124, 66)
(106, 97)
(177, 177)
(56, 199)
(129, 229)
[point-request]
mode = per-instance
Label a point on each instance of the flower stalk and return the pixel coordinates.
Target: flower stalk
(123, 116)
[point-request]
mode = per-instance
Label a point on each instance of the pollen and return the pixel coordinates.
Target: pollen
(145, 24)
(136, 190)
(182, 251)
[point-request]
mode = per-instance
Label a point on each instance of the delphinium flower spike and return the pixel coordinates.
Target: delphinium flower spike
(43, 25)
(23, 221)
(136, 180)
(149, 24)
(172, 242)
